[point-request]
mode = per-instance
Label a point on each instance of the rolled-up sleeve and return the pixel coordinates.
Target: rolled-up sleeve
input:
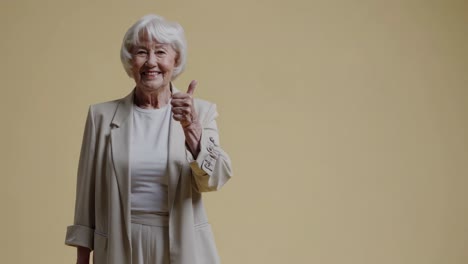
(81, 233)
(80, 236)
(212, 168)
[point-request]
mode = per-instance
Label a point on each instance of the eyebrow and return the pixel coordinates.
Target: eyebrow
(156, 46)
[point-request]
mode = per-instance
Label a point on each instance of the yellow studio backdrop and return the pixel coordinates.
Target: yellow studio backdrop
(347, 123)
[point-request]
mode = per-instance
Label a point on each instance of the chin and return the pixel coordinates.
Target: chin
(152, 86)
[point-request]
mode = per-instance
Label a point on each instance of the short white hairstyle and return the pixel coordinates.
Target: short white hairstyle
(159, 29)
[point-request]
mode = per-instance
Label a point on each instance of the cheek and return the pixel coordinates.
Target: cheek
(164, 69)
(135, 69)
(136, 75)
(169, 65)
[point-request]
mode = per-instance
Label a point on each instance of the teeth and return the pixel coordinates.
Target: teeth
(151, 73)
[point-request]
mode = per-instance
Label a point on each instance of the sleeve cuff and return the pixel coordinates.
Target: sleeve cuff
(80, 236)
(205, 166)
(206, 159)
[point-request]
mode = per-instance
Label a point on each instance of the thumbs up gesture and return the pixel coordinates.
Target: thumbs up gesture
(183, 111)
(183, 108)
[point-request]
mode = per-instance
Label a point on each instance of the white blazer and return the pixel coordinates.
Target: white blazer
(102, 209)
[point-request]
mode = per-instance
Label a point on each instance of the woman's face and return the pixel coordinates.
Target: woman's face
(152, 65)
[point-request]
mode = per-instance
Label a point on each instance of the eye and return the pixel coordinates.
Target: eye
(160, 52)
(141, 53)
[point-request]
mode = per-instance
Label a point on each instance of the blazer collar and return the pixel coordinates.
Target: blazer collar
(124, 109)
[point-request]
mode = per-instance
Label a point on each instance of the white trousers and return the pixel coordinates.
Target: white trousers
(150, 239)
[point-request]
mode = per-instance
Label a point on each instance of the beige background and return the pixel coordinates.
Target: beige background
(346, 121)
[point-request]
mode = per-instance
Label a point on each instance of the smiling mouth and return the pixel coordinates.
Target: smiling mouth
(151, 73)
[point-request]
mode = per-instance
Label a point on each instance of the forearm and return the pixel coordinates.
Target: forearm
(83, 255)
(192, 138)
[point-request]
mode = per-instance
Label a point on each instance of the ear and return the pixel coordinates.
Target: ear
(177, 59)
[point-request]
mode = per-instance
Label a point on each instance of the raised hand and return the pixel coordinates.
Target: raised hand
(183, 108)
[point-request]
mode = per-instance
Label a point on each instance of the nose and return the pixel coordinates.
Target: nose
(151, 60)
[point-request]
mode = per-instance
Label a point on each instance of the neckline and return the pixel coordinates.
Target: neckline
(152, 110)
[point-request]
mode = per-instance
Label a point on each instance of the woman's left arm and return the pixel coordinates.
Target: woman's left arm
(211, 165)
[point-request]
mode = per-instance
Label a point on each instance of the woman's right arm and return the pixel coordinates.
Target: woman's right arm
(82, 256)
(81, 233)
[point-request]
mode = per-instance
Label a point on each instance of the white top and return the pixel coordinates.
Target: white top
(148, 159)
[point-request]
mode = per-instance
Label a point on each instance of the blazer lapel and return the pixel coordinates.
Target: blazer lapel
(176, 156)
(120, 145)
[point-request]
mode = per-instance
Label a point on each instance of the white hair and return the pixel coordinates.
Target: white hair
(159, 29)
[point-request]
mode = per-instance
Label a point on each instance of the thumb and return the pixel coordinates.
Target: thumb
(191, 88)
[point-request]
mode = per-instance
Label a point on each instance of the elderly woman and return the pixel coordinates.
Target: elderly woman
(146, 158)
